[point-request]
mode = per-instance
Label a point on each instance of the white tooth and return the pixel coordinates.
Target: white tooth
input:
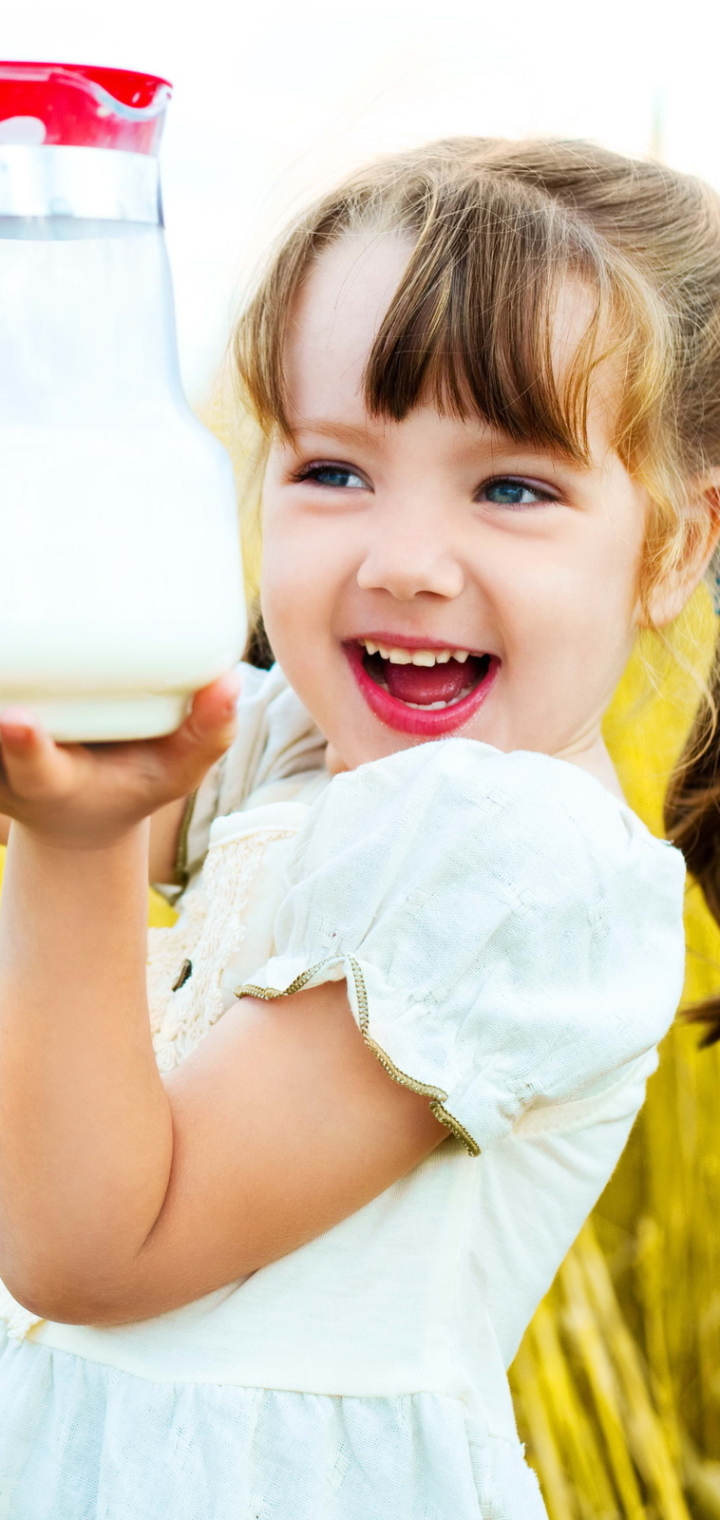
(384, 653)
(461, 655)
(443, 657)
(423, 657)
(400, 657)
(371, 648)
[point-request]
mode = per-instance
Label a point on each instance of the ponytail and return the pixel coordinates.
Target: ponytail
(692, 819)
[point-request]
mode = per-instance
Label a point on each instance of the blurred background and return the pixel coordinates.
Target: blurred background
(274, 100)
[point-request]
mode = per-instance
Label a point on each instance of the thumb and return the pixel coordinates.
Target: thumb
(208, 729)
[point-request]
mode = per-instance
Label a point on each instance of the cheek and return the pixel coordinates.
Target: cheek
(613, 581)
(572, 607)
(300, 578)
(286, 596)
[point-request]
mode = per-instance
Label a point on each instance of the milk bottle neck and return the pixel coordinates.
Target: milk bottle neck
(87, 336)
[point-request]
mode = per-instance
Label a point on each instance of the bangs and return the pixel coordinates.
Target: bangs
(472, 325)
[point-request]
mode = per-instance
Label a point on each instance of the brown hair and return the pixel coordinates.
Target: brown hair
(493, 228)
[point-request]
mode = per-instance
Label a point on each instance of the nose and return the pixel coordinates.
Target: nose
(409, 557)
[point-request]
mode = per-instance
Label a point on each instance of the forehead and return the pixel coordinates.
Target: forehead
(341, 305)
(336, 316)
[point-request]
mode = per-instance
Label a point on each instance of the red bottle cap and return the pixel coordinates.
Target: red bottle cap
(81, 106)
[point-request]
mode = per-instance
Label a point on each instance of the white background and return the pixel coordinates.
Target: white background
(273, 101)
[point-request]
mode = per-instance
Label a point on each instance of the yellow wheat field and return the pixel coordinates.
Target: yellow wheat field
(617, 1383)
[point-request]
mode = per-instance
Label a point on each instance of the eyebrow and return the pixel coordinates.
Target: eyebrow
(329, 429)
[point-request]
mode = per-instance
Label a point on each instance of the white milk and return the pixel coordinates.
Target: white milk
(121, 589)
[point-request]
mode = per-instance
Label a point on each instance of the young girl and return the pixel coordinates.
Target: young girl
(268, 1250)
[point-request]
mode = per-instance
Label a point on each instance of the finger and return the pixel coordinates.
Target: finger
(208, 730)
(35, 769)
(214, 707)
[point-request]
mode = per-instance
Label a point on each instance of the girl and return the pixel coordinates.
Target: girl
(268, 1250)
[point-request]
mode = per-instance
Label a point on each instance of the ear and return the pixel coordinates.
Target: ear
(669, 596)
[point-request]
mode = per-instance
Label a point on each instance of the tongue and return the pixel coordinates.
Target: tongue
(428, 683)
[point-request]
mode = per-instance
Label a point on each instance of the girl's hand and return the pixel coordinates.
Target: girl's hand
(81, 796)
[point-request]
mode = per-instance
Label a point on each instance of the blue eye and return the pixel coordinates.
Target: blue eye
(505, 491)
(338, 477)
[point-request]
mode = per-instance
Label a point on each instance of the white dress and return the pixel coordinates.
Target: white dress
(512, 941)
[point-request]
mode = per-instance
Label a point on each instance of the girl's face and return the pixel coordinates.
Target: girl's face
(430, 577)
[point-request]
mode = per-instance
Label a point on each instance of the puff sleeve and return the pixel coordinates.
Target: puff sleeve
(510, 933)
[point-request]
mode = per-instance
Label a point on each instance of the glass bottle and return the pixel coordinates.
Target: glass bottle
(121, 591)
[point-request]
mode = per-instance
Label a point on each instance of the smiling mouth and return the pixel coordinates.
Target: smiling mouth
(426, 686)
(428, 692)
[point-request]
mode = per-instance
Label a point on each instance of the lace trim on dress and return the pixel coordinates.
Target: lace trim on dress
(209, 934)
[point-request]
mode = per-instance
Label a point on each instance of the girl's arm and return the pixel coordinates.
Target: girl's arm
(165, 827)
(122, 1196)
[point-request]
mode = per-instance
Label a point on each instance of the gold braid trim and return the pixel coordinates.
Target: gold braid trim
(436, 1094)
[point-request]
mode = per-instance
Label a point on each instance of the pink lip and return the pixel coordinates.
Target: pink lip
(412, 720)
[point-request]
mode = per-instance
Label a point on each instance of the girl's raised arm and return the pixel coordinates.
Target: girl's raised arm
(121, 1196)
(164, 830)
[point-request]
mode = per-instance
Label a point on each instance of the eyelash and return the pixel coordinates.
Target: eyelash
(525, 485)
(313, 471)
